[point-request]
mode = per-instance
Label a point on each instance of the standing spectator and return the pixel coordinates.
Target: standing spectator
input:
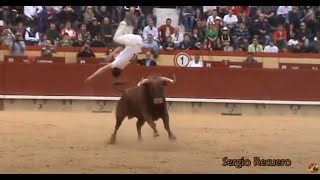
(88, 15)
(250, 59)
(241, 34)
(305, 34)
(168, 44)
(211, 33)
(32, 12)
(47, 16)
(66, 41)
(52, 33)
(150, 29)
(255, 46)
(165, 30)
(280, 36)
(177, 37)
(86, 51)
(85, 32)
(147, 61)
(152, 45)
(230, 20)
(271, 48)
(69, 30)
(17, 46)
(147, 12)
(262, 29)
(196, 62)
(188, 15)
(32, 36)
(80, 41)
(186, 43)
(107, 31)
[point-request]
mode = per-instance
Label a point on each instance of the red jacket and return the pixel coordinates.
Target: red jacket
(237, 9)
(276, 35)
(162, 31)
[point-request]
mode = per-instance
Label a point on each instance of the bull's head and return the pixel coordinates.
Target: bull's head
(154, 86)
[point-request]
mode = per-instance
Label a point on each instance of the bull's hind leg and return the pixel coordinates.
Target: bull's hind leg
(140, 123)
(118, 124)
(167, 127)
(153, 126)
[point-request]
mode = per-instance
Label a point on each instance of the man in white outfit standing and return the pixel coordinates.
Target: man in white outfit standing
(133, 43)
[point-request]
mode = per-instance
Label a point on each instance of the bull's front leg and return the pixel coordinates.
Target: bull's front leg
(166, 124)
(152, 125)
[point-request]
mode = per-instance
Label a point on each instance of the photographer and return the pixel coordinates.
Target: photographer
(6, 37)
(48, 49)
(86, 51)
(17, 46)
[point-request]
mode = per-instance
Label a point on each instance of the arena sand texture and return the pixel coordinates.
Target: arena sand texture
(76, 142)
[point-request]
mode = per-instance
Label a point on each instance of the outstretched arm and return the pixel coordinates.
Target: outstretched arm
(97, 73)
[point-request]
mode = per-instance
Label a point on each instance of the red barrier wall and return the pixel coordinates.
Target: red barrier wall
(67, 80)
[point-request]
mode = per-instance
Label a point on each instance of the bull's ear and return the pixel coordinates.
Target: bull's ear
(164, 83)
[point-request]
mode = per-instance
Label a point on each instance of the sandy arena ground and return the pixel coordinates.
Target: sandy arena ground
(49, 142)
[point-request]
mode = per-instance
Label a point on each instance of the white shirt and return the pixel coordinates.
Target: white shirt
(230, 20)
(57, 8)
(207, 8)
(28, 38)
(284, 10)
(210, 19)
(30, 11)
(273, 49)
(147, 30)
(177, 39)
(194, 64)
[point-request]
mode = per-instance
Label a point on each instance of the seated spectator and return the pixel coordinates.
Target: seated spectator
(211, 33)
(67, 15)
(226, 39)
(7, 37)
(270, 15)
(20, 28)
(69, 30)
(17, 46)
(230, 20)
(196, 38)
(152, 45)
(311, 22)
(212, 17)
(147, 61)
(271, 48)
(241, 34)
(32, 13)
(84, 31)
(255, 46)
(206, 44)
(250, 59)
(47, 16)
(118, 14)
(218, 23)
(32, 36)
(217, 45)
(94, 28)
(244, 18)
(294, 16)
(88, 15)
(80, 41)
(66, 41)
(103, 13)
(188, 18)
(97, 41)
(201, 29)
(300, 47)
(165, 30)
(198, 16)
(280, 36)
(86, 51)
(107, 31)
(150, 29)
(196, 62)
(305, 34)
(282, 13)
(177, 37)
(262, 29)
(291, 32)
(186, 43)
(48, 49)
(43, 40)
(52, 33)
(242, 47)
(168, 44)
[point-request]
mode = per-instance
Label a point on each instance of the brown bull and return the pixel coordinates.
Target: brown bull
(146, 102)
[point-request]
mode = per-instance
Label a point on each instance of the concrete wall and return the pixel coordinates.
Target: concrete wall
(181, 107)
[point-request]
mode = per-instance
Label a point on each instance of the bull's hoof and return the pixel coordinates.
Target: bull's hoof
(172, 138)
(112, 139)
(156, 134)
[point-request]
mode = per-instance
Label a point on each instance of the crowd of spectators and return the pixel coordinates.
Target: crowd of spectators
(226, 28)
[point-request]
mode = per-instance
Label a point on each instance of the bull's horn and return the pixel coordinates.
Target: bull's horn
(142, 82)
(169, 80)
